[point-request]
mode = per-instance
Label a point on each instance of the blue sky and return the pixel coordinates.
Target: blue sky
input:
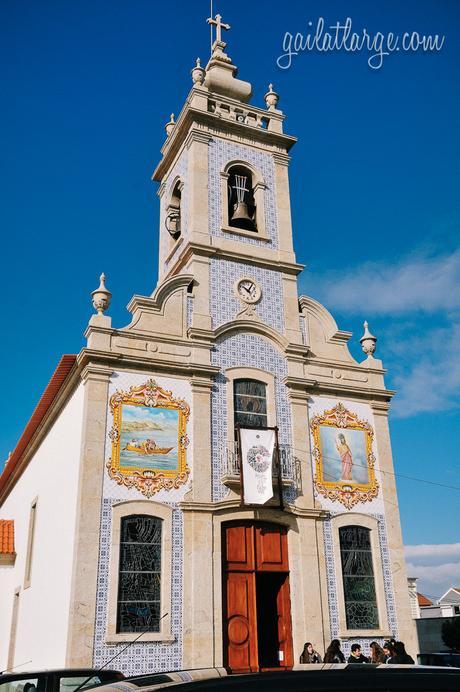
(87, 89)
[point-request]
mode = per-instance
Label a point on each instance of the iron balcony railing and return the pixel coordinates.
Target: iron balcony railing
(290, 465)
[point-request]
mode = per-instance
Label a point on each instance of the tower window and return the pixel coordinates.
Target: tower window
(173, 212)
(241, 203)
(250, 403)
(358, 578)
(139, 578)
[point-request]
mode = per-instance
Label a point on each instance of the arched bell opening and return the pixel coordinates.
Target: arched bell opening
(173, 212)
(241, 201)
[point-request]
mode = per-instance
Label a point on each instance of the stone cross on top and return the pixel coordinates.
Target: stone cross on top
(217, 22)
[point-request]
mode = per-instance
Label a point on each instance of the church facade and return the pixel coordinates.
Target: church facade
(123, 499)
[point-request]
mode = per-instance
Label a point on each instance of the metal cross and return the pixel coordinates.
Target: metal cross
(217, 22)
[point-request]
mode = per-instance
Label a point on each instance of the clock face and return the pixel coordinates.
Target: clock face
(248, 290)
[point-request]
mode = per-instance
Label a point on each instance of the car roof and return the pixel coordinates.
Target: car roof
(315, 676)
(58, 671)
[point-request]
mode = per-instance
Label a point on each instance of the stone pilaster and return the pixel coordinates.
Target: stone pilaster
(301, 442)
(198, 615)
(406, 626)
(84, 578)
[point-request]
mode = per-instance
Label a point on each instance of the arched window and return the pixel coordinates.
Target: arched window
(139, 583)
(173, 212)
(358, 578)
(241, 203)
(250, 403)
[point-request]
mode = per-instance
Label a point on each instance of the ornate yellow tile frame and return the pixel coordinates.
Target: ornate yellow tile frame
(148, 481)
(349, 494)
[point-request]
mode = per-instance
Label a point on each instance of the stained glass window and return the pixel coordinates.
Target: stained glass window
(250, 403)
(358, 578)
(139, 574)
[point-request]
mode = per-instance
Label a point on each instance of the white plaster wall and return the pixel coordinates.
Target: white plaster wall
(52, 477)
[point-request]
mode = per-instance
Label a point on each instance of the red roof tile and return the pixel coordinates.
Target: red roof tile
(6, 537)
(423, 600)
(58, 378)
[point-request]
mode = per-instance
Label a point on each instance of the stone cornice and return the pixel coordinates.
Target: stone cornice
(380, 408)
(351, 365)
(335, 389)
(197, 136)
(203, 336)
(201, 385)
(225, 505)
(96, 373)
(191, 249)
(121, 361)
(281, 158)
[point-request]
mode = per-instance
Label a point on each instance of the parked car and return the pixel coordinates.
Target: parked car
(442, 658)
(158, 680)
(64, 680)
(312, 678)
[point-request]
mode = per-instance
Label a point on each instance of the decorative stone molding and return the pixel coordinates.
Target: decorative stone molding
(271, 98)
(169, 127)
(368, 341)
(198, 73)
(101, 296)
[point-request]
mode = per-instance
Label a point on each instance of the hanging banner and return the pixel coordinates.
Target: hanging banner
(257, 450)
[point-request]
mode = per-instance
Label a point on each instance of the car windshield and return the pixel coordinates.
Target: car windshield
(67, 684)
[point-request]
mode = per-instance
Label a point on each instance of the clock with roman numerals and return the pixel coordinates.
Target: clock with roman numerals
(248, 290)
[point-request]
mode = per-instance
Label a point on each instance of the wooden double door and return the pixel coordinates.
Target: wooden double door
(257, 609)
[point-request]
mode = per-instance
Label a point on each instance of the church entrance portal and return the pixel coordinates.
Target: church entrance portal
(256, 601)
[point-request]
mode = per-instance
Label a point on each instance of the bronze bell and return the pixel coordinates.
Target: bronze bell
(240, 217)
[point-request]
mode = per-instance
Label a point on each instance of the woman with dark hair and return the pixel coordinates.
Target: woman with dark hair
(377, 653)
(309, 655)
(333, 653)
(389, 651)
(401, 655)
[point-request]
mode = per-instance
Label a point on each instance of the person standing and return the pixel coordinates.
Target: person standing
(309, 655)
(356, 655)
(334, 653)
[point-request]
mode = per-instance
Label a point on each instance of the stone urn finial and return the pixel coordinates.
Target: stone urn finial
(198, 73)
(101, 296)
(368, 341)
(271, 98)
(169, 127)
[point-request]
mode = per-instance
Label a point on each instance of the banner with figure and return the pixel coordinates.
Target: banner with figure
(257, 451)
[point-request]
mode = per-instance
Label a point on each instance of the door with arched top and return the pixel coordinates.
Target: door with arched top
(256, 600)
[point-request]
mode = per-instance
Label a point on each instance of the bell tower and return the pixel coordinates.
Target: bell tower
(224, 201)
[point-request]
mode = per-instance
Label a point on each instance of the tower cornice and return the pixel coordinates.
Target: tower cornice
(260, 126)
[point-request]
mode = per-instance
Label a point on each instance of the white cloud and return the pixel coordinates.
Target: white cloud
(436, 566)
(431, 379)
(425, 550)
(410, 295)
(417, 284)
